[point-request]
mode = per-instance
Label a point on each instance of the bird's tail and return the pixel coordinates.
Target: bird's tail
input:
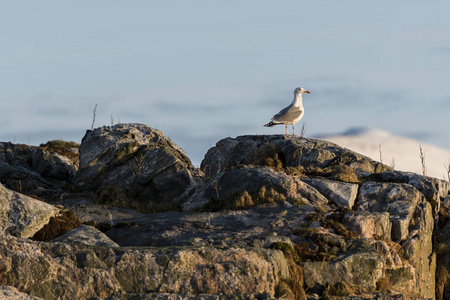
(270, 124)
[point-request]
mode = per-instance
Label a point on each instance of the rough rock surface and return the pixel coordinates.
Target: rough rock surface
(260, 226)
(292, 151)
(363, 269)
(33, 171)
(399, 200)
(369, 224)
(21, 215)
(52, 165)
(139, 159)
(252, 180)
(277, 216)
(63, 271)
(9, 292)
(342, 194)
(86, 235)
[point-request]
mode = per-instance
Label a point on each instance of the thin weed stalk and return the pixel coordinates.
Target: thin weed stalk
(93, 118)
(422, 160)
(303, 130)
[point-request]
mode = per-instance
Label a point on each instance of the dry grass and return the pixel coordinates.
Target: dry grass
(267, 155)
(338, 172)
(64, 148)
(295, 171)
(57, 226)
(447, 169)
(342, 289)
(303, 130)
(381, 153)
(93, 117)
(392, 164)
(119, 197)
(422, 160)
(244, 200)
(138, 164)
(274, 163)
(293, 287)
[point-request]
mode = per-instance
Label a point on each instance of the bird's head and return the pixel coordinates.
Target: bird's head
(299, 91)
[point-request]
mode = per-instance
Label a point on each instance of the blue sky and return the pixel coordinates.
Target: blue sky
(204, 70)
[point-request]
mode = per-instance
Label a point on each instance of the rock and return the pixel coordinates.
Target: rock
(412, 224)
(257, 227)
(33, 171)
(138, 162)
(9, 292)
(187, 296)
(400, 274)
(399, 200)
(369, 225)
(23, 216)
(434, 190)
(16, 154)
(419, 249)
(23, 180)
(390, 252)
(53, 165)
(88, 211)
(86, 235)
(197, 271)
(362, 269)
(340, 193)
(276, 214)
(313, 155)
(67, 271)
(226, 186)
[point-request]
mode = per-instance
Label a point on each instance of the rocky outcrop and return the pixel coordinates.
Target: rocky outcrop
(134, 163)
(386, 205)
(274, 217)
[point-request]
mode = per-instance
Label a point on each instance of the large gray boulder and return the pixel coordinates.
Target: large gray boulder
(141, 161)
(21, 215)
(260, 183)
(311, 154)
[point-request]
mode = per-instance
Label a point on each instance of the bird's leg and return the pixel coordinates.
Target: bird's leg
(286, 130)
(293, 130)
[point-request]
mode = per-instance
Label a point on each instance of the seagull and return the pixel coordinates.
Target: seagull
(291, 114)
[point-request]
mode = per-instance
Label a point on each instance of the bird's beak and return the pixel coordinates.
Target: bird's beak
(307, 92)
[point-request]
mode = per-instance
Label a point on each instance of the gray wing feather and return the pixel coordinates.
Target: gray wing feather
(287, 115)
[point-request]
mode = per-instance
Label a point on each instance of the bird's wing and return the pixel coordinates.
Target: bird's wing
(287, 115)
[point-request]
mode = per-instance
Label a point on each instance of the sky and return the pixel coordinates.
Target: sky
(201, 71)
